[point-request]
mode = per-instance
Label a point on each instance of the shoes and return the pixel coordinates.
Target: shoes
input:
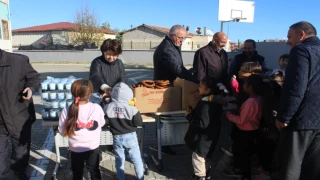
(208, 174)
(226, 152)
(167, 150)
(232, 173)
(194, 177)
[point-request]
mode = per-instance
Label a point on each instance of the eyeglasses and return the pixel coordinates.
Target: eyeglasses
(181, 38)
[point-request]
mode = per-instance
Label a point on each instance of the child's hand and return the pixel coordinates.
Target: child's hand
(188, 110)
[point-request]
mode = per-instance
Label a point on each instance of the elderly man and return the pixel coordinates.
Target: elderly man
(168, 63)
(18, 81)
(212, 60)
(167, 59)
(299, 113)
(249, 54)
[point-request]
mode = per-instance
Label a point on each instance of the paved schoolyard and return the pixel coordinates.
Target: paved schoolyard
(43, 155)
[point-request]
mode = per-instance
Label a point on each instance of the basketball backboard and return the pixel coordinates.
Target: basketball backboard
(236, 10)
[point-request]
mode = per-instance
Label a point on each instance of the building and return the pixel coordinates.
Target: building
(5, 26)
(61, 33)
(149, 37)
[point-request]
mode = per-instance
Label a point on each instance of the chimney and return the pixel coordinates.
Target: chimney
(187, 29)
(205, 31)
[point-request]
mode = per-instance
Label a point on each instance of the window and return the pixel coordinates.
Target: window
(4, 34)
(198, 46)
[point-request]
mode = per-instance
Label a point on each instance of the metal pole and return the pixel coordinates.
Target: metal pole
(221, 26)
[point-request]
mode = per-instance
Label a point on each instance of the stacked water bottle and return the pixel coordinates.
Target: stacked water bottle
(56, 95)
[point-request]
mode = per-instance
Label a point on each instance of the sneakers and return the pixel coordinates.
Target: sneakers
(226, 152)
(232, 173)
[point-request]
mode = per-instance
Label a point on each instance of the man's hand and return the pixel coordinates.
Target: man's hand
(26, 94)
(281, 125)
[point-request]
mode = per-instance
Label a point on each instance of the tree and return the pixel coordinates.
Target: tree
(87, 28)
(106, 25)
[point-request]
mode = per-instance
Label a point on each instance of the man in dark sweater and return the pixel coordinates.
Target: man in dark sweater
(299, 113)
(212, 60)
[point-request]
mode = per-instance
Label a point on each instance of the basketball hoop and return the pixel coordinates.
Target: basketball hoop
(237, 19)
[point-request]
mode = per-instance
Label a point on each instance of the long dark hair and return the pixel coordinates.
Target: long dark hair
(81, 90)
(270, 92)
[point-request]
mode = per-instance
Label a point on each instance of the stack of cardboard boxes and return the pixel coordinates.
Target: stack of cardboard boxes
(183, 94)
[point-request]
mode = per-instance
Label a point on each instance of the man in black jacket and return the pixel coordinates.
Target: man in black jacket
(168, 64)
(299, 113)
(167, 59)
(249, 54)
(18, 81)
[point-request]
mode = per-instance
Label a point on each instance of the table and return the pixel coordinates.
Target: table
(105, 139)
(173, 130)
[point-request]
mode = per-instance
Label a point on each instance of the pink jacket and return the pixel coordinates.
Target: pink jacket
(250, 115)
(234, 86)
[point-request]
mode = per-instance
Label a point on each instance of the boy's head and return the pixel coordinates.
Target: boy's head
(207, 86)
(121, 92)
(283, 61)
(278, 77)
(249, 68)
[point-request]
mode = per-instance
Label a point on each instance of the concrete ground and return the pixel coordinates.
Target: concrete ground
(43, 156)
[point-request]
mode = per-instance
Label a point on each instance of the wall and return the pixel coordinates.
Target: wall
(271, 52)
(26, 38)
(141, 38)
(200, 41)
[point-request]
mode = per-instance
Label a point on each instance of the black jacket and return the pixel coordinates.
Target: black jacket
(204, 129)
(168, 64)
(209, 62)
(300, 97)
(104, 72)
(16, 74)
(242, 58)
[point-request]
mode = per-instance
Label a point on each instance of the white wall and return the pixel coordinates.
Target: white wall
(26, 38)
(271, 52)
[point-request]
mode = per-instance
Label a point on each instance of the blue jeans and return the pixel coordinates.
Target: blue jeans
(128, 142)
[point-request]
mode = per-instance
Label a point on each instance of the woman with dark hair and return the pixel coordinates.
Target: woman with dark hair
(107, 70)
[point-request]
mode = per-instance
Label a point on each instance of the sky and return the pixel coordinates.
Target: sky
(272, 18)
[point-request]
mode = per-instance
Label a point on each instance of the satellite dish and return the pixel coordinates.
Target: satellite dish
(209, 32)
(198, 30)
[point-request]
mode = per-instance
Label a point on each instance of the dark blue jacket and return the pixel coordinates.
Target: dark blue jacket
(168, 64)
(300, 101)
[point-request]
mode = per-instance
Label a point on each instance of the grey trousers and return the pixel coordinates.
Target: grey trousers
(300, 155)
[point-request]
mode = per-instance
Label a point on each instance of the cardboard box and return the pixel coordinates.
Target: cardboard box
(190, 93)
(157, 100)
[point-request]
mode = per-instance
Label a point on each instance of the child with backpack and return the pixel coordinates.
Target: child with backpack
(247, 126)
(123, 120)
(81, 122)
(204, 129)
